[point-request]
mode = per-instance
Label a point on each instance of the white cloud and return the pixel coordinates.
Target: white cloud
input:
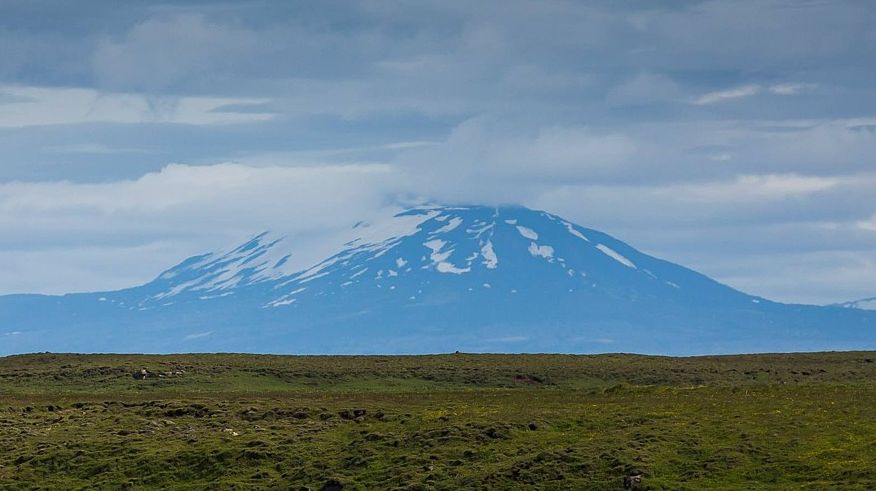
(742, 201)
(725, 95)
(483, 161)
(86, 261)
(868, 224)
(789, 89)
(750, 90)
(786, 237)
(118, 234)
(183, 191)
(747, 188)
(197, 335)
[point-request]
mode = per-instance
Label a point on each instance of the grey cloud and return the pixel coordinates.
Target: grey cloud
(7, 98)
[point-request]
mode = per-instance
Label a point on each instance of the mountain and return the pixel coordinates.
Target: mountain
(864, 304)
(431, 279)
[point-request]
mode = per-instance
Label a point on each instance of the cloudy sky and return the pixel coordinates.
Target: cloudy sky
(737, 138)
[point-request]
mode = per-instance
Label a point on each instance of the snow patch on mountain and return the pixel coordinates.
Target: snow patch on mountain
(451, 226)
(445, 267)
(286, 299)
(544, 251)
(527, 233)
(491, 261)
(608, 251)
(863, 304)
(268, 257)
(439, 259)
(573, 231)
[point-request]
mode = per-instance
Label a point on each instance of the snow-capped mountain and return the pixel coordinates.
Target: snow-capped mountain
(431, 279)
(864, 304)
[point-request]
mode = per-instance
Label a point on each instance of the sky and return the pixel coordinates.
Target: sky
(736, 138)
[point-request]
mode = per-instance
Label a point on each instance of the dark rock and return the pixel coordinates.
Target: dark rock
(141, 374)
(528, 379)
(633, 482)
(196, 410)
(497, 433)
(251, 414)
(332, 485)
(355, 414)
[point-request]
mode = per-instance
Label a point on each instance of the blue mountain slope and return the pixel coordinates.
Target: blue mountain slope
(432, 279)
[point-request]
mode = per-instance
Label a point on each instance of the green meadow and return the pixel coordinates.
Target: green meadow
(443, 422)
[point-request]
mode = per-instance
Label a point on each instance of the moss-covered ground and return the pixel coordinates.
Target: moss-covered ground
(798, 421)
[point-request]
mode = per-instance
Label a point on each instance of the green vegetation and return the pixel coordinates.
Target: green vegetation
(797, 421)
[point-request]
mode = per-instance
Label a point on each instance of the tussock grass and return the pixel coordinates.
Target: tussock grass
(790, 421)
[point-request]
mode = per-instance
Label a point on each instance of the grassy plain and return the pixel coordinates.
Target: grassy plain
(459, 421)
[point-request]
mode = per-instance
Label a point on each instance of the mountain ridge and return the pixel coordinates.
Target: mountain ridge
(432, 279)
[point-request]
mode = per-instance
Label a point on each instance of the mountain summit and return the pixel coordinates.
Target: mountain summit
(432, 279)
